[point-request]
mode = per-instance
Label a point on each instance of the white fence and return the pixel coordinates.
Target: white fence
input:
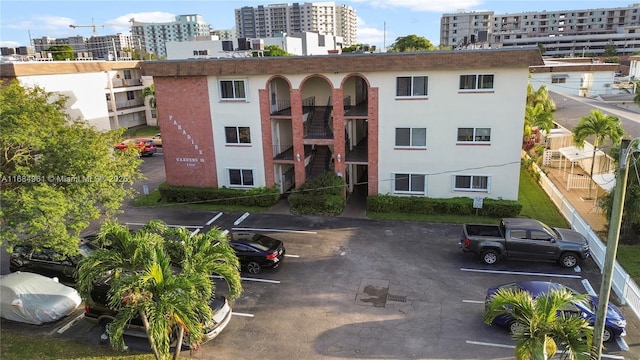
(625, 288)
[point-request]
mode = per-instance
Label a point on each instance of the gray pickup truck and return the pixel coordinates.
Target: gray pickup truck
(524, 239)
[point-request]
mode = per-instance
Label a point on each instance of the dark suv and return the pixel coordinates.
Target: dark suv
(48, 262)
(99, 313)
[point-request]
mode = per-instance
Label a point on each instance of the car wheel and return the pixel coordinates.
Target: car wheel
(104, 325)
(568, 260)
(512, 327)
(253, 267)
(490, 257)
(607, 335)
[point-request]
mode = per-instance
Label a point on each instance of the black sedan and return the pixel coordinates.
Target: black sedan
(257, 251)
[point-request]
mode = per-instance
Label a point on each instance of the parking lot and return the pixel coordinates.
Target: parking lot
(358, 288)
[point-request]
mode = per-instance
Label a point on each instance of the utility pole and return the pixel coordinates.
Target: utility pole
(626, 149)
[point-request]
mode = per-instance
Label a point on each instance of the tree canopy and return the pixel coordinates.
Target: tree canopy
(57, 173)
(541, 327)
(411, 43)
(274, 50)
(161, 275)
(61, 52)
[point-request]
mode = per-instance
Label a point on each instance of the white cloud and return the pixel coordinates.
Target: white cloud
(439, 6)
(370, 35)
(122, 23)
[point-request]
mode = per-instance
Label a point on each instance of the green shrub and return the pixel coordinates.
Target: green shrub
(453, 206)
(319, 196)
(259, 197)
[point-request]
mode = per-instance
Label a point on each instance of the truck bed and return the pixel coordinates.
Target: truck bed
(483, 230)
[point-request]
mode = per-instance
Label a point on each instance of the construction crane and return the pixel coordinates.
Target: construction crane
(93, 25)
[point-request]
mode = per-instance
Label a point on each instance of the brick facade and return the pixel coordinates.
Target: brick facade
(187, 132)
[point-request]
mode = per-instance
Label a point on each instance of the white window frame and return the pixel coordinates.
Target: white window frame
(411, 134)
(243, 185)
(409, 191)
(237, 136)
(472, 188)
(477, 82)
(412, 89)
(475, 135)
(236, 97)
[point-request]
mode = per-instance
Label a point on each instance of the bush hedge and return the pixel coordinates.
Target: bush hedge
(259, 197)
(319, 196)
(429, 206)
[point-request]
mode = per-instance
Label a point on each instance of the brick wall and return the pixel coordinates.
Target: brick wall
(185, 119)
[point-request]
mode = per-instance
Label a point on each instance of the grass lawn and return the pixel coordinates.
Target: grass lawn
(141, 131)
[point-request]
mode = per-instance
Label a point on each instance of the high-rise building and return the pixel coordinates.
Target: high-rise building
(325, 18)
(153, 36)
(586, 32)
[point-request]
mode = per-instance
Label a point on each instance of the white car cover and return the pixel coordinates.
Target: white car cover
(35, 299)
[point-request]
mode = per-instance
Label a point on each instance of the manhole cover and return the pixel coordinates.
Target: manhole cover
(398, 298)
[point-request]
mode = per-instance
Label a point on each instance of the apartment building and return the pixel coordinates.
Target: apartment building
(107, 94)
(154, 36)
(586, 32)
(438, 124)
(96, 47)
(325, 18)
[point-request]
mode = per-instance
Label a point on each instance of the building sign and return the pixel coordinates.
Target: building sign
(198, 154)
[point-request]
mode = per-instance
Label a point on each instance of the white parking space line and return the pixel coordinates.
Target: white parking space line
(588, 287)
(275, 230)
(505, 346)
(473, 301)
(194, 232)
(250, 279)
(294, 256)
(241, 218)
(184, 226)
(491, 344)
(213, 219)
(68, 325)
(521, 273)
(241, 314)
(622, 344)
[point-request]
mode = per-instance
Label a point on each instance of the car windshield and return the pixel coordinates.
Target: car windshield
(551, 231)
(85, 250)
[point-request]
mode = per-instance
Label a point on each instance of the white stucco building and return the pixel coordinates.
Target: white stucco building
(437, 124)
(108, 95)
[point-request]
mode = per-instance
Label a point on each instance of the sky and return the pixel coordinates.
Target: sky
(380, 22)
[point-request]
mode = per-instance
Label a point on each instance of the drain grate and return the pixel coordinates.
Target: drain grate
(398, 298)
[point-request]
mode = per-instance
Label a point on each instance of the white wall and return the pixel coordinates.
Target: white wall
(442, 114)
(594, 82)
(86, 92)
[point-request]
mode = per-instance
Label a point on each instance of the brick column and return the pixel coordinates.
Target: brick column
(338, 135)
(298, 136)
(267, 140)
(372, 145)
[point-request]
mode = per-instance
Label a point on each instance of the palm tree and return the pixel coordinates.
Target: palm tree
(541, 326)
(601, 127)
(536, 116)
(636, 99)
(540, 96)
(144, 281)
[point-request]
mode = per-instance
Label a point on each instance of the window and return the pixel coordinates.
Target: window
(240, 177)
(473, 82)
(409, 183)
(558, 80)
(471, 183)
(237, 135)
(130, 95)
(474, 134)
(232, 89)
(411, 137)
(411, 86)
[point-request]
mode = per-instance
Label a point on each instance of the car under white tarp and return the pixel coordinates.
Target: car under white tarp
(35, 299)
